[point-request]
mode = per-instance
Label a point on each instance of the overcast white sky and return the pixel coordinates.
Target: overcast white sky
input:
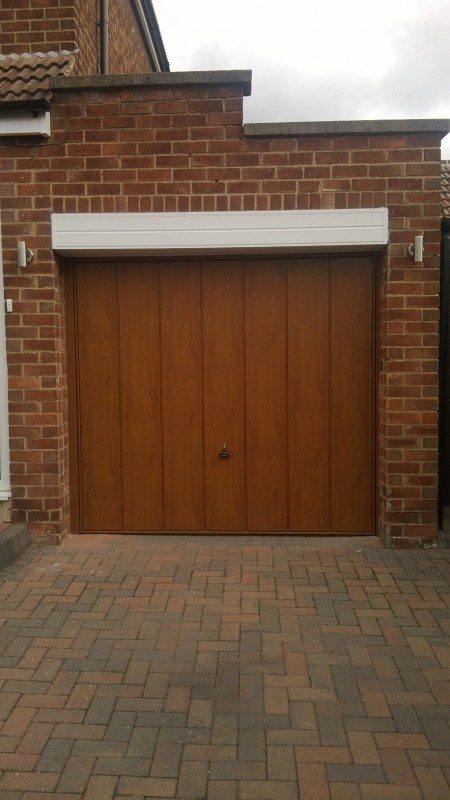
(328, 59)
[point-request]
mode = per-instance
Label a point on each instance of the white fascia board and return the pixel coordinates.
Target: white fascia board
(220, 232)
(25, 123)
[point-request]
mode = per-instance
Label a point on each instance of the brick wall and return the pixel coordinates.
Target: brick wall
(87, 36)
(183, 149)
(28, 25)
(32, 25)
(125, 52)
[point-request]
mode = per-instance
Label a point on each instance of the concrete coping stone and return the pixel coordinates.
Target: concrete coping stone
(348, 127)
(171, 79)
(13, 541)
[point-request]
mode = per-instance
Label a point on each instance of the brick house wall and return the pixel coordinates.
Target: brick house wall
(124, 40)
(28, 26)
(183, 148)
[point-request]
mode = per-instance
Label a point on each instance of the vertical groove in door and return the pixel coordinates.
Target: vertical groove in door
(76, 379)
(352, 395)
(140, 396)
(202, 373)
(119, 370)
(161, 414)
(223, 395)
(330, 488)
(287, 361)
(244, 356)
(266, 387)
(182, 388)
(99, 398)
(308, 386)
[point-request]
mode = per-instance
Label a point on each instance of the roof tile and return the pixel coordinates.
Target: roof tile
(445, 189)
(25, 76)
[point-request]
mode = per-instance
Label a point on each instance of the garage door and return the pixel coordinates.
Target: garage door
(223, 395)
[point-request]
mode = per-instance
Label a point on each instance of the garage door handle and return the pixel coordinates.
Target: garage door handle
(224, 452)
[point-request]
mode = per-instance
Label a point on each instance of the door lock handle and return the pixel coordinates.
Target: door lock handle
(224, 453)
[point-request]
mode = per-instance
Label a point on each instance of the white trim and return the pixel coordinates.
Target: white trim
(220, 231)
(25, 123)
(5, 486)
(148, 34)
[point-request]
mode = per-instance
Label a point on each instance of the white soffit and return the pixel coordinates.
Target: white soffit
(25, 123)
(220, 231)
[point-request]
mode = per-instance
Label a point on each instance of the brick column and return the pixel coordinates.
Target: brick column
(409, 347)
(35, 347)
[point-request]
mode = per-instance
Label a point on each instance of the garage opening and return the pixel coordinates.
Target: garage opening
(222, 395)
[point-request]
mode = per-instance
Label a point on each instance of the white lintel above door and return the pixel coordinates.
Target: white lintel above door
(220, 232)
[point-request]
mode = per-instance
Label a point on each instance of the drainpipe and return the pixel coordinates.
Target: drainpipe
(103, 25)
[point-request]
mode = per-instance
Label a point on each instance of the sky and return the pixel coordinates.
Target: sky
(328, 59)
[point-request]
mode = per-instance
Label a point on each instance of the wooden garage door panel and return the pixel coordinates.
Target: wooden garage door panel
(309, 394)
(140, 395)
(274, 357)
(352, 395)
(99, 398)
(182, 395)
(223, 371)
(266, 396)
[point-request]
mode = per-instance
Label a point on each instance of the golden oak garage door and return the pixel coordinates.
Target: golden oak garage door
(223, 395)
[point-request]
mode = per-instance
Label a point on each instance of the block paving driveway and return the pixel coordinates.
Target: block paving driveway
(224, 668)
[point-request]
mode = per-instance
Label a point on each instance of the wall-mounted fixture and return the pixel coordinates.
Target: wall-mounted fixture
(416, 250)
(24, 254)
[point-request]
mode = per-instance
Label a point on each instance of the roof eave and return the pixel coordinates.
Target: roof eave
(31, 104)
(151, 32)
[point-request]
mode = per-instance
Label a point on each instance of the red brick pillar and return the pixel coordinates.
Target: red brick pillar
(35, 347)
(409, 346)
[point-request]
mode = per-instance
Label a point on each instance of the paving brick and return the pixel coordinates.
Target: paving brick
(237, 770)
(192, 781)
(276, 701)
(101, 787)
(204, 752)
(76, 774)
(166, 760)
(148, 787)
(363, 748)
(225, 729)
(252, 744)
(356, 773)
(322, 755)
(344, 791)
(99, 711)
(312, 782)
(268, 790)
(55, 755)
(397, 766)
(120, 726)
(410, 741)
(222, 790)
(28, 781)
(280, 763)
(373, 792)
(432, 783)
